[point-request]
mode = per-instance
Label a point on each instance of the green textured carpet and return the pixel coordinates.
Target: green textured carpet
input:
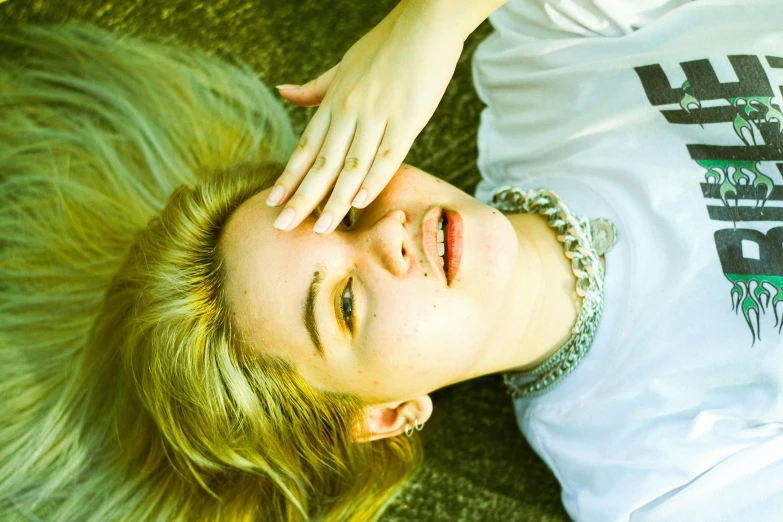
(478, 465)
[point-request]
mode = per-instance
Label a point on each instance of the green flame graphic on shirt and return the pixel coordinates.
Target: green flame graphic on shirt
(759, 108)
(688, 99)
(757, 293)
(756, 109)
(753, 294)
(729, 174)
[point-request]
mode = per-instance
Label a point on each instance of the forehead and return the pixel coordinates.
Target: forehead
(268, 272)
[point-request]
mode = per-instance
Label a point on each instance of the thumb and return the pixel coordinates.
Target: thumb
(310, 94)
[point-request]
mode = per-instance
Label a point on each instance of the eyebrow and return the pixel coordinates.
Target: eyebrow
(308, 309)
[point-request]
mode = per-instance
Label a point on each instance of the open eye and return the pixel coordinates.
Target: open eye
(346, 305)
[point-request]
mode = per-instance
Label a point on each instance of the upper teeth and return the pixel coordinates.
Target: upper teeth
(441, 237)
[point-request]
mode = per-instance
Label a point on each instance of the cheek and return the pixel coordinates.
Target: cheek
(426, 333)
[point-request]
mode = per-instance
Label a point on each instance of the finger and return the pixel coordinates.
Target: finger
(301, 159)
(321, 177)
(312, 93)
(391, 153)
(357, 164)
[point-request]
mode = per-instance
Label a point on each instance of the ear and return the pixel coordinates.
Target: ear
(390, 418)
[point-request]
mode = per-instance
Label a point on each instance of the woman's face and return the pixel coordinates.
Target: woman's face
(411, 331)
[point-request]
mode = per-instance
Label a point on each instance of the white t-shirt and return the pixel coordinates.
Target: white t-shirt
(665, 117)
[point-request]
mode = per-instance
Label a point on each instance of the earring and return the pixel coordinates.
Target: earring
(416, 426)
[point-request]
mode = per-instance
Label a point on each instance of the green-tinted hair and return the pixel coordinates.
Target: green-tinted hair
(125, 391)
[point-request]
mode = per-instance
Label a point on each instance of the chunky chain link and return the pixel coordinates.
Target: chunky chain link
(575, 233)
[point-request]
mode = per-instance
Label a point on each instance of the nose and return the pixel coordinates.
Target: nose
(385, 240)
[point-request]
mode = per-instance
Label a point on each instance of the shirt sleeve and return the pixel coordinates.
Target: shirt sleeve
(579, 18)
(746, 486)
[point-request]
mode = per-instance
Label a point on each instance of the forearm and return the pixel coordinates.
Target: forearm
(460, 16)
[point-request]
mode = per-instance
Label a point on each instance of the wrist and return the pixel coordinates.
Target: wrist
(457, 17)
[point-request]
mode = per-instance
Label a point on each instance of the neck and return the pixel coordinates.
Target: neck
(542, 303)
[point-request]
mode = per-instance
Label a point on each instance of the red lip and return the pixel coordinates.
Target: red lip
(429, 239)
(454, 241)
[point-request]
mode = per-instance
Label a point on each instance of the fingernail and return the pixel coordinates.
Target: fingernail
(275, 196)
(285, 218)
(286, 87)
(323, 223)
(360, 198)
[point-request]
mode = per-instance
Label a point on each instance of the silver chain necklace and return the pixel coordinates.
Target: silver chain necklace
(584, 242)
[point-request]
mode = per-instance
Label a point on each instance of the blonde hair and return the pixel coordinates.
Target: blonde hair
(126, 393)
